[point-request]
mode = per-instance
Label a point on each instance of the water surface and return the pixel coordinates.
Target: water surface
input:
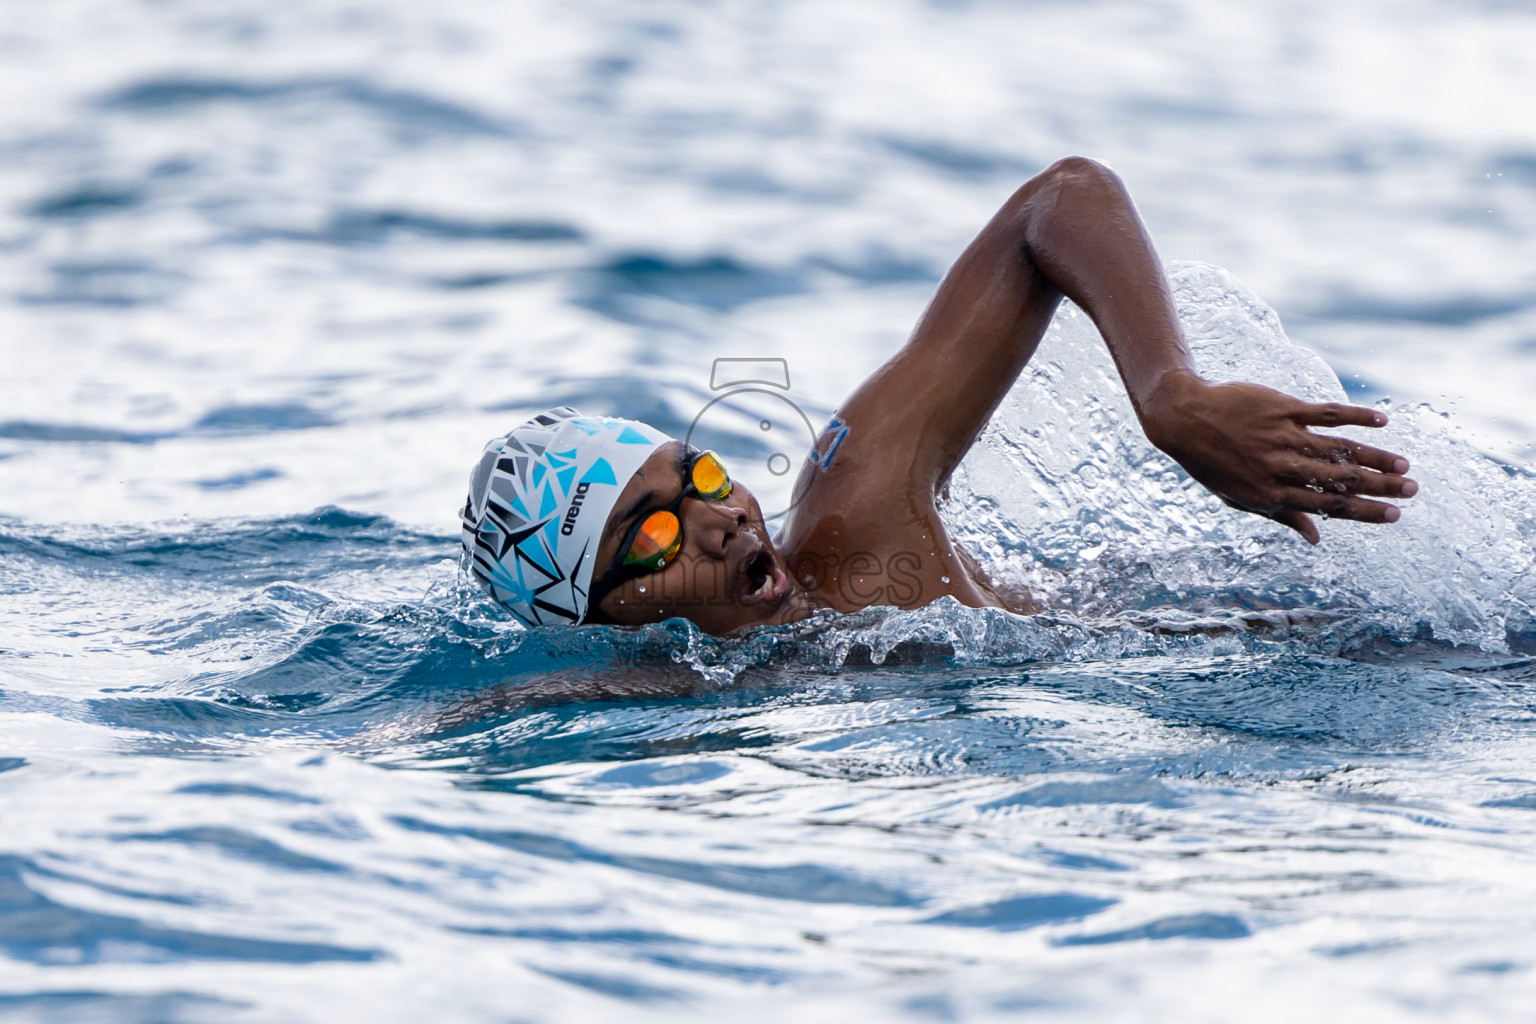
(271, 277)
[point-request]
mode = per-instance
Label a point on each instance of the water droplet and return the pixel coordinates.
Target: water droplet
(944, 578)
(764, 425)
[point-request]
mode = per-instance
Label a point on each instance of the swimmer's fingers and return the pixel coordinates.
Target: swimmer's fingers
(1336, 506)
(1348, 478)
(1300, 522)
(1343, 451)
(1336, 414)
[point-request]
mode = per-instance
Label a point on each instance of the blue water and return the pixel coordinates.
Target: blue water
(271, 276)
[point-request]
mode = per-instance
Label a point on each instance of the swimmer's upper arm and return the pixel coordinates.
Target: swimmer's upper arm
(1070, 230)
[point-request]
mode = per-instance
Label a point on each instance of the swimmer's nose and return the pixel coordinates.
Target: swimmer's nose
(714, 524)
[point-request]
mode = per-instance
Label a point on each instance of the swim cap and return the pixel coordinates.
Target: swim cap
(538, 501)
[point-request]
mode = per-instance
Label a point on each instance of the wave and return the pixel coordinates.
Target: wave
(339, 628)
(408, 109)
(351, 627)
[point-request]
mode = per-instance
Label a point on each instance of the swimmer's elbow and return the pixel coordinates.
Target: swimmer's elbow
(1076, 176)
(1081, 173)
(1071, 188)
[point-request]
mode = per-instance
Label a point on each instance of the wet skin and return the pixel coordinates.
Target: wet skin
(867, 531)
(726, 576)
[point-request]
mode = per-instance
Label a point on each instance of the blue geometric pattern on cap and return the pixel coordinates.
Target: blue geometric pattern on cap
(516, 554)
(632, 436)
(600, 473)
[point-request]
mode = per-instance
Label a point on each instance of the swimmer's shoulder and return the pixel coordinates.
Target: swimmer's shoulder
(863, 524)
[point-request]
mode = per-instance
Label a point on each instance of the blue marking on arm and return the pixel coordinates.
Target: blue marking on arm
(837, 430)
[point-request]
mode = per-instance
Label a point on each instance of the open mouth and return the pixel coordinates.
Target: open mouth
(762, 579)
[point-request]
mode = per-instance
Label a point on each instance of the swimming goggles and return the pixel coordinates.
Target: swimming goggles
(653, 542)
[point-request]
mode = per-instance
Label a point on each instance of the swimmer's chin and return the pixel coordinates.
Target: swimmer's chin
(768, 594)
(759, 592)
(773, 600)
(790, 604)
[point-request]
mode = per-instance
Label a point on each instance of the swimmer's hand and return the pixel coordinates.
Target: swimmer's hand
(1250, 446)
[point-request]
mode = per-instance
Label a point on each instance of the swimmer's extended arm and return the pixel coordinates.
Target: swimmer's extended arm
(1072, 230)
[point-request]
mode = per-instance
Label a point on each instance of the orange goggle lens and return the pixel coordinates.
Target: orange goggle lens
(660, 535)
(657, 542)
(710, 478)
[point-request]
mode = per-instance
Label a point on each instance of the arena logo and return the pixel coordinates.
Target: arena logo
(569, 526)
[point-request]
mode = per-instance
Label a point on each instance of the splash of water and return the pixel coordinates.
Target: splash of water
(1064, 495)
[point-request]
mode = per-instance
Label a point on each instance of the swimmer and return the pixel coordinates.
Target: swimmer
(574, 519)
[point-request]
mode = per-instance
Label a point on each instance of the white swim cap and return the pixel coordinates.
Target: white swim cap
(538, 501)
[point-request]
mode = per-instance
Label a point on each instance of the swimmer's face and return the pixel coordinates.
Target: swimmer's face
(725, 577)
